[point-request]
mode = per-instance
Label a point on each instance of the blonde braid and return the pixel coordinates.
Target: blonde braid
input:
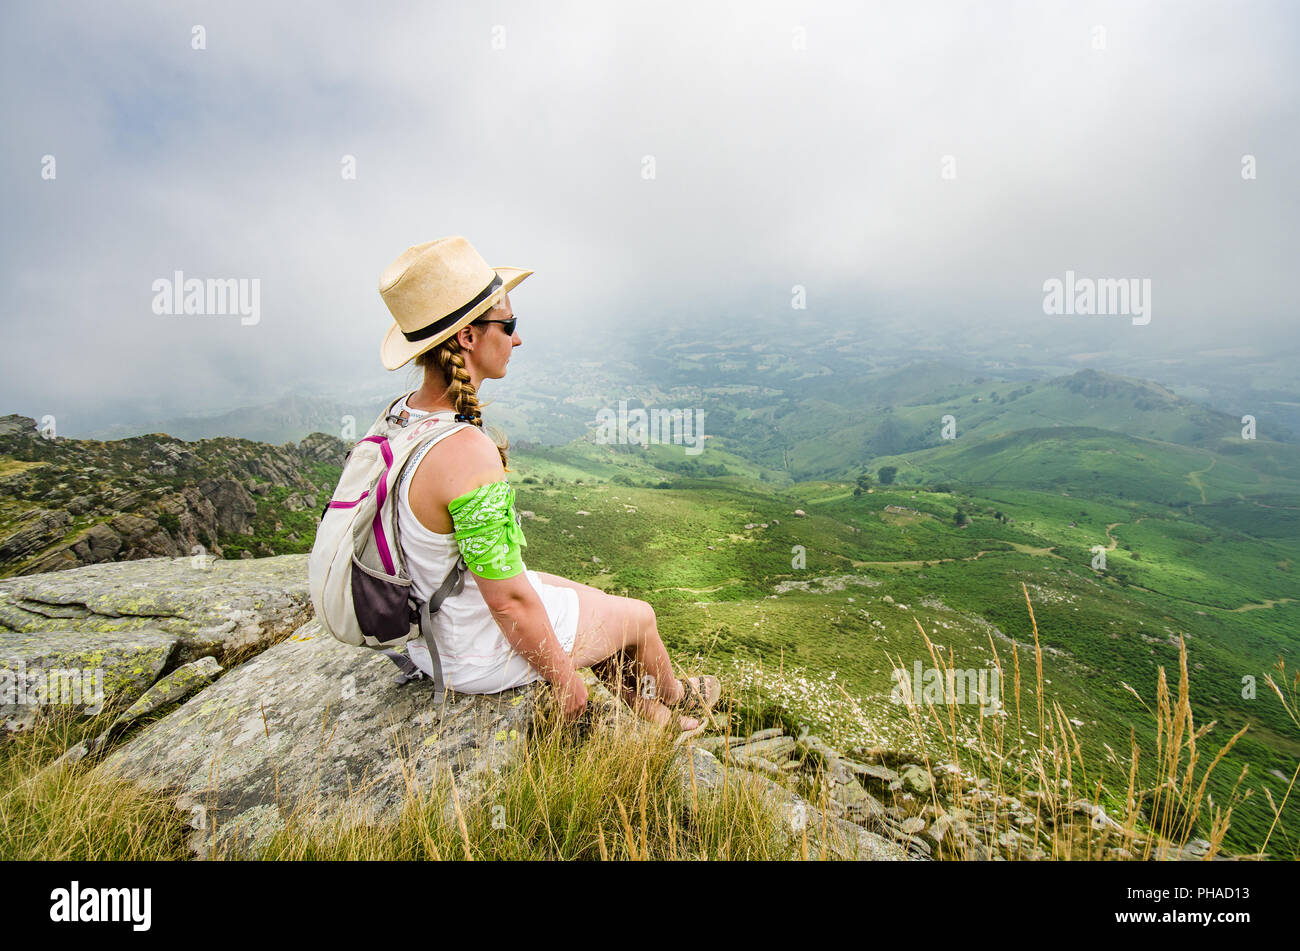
(460, 392)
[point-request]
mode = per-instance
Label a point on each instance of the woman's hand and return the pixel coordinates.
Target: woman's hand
(571, 694)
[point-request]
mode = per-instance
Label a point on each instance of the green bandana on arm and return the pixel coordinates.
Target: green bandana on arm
(488, 530)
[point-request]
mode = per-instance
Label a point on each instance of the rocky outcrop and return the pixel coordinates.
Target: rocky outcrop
(32, 532)
(211, 607)
(14, 425)
(232, 506)
(828, 836)
(69, 502)
(315, 727)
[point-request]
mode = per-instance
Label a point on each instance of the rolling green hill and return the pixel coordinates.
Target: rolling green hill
(1100, 462)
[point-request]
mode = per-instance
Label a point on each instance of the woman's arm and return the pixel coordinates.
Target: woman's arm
(490, 539)
(517, 608)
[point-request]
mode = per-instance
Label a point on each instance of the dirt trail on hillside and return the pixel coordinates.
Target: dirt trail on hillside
(1114, 525)
(1195, 477)
(1022, 549)
(1262, 605)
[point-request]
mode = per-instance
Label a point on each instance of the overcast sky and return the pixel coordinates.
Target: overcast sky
(793, 143)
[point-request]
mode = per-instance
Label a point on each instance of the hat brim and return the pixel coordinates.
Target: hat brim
(396, 351)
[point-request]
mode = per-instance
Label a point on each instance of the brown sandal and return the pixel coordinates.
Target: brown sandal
(699, 694)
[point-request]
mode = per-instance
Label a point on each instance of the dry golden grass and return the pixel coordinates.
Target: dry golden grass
(1152, 823)
(613, 794)
(50, 812)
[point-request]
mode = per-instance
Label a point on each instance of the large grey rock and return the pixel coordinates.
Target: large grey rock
(213, 610)
(39, 671)
(314, 723)
(15, 425)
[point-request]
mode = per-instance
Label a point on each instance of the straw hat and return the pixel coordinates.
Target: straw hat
(434, 289)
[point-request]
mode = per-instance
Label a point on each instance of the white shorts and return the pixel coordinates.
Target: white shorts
(495, 665)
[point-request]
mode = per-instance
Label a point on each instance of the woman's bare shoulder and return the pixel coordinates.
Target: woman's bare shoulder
(457, 464)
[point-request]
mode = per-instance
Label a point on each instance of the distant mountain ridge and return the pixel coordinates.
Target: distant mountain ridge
(71, 502)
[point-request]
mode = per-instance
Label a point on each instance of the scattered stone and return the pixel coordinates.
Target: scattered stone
(716, 743)
(880, 775)
(916, 780)
(746, 761)
(1096, 813)
(776, 748)
(701, 772)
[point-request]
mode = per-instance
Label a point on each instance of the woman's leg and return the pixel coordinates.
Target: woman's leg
(609, 624)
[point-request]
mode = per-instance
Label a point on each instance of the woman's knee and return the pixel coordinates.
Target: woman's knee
(639, 620)
(609, 624)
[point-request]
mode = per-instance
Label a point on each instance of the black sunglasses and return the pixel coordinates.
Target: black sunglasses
(507, 325)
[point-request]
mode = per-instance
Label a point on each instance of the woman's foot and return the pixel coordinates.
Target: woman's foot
(653, 710)
(661, 715)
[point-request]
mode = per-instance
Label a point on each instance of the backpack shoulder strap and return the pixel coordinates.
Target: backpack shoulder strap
(405, 448)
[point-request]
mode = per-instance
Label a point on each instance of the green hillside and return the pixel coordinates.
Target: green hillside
(1095, 461)
(1199, 530)
(821, 434)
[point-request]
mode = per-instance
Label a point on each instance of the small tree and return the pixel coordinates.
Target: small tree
(886, 474)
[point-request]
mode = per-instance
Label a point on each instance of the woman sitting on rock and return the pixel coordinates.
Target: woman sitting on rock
(509, 625)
